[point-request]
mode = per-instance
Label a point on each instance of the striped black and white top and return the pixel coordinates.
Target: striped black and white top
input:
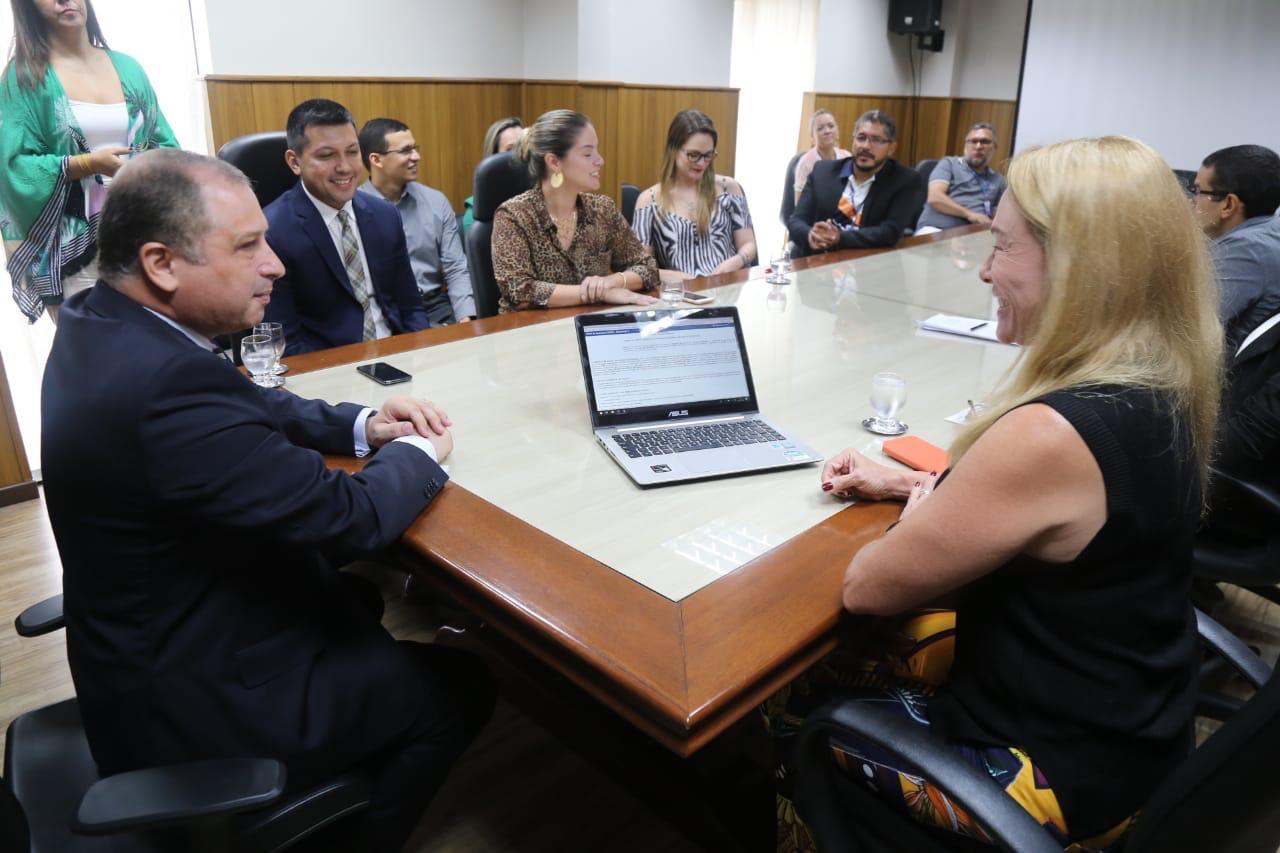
(675, 240)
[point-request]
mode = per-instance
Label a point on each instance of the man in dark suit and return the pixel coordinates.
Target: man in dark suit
(347, 276)
(1249, 443)
(859, 202)
(198, 524)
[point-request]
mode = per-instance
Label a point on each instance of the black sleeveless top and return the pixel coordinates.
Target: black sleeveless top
(1089, 665)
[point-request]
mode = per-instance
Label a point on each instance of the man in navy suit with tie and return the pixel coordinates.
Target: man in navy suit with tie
(347, 276)
(199, 526)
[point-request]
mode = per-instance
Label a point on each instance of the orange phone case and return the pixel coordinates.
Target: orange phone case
(917, 453)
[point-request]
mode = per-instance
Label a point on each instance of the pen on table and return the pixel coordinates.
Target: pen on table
(979, 326)
(973, 410)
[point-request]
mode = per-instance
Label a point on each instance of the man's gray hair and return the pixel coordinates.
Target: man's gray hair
(158, 197)
(984, 125)
(881, 118)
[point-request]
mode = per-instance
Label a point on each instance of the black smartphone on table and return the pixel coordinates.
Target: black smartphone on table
(383, 373)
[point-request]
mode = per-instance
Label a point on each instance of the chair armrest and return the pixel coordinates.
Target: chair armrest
(43, 617)
(1233, 650)
(1228, 485)
(178, 794)
(1003, 819)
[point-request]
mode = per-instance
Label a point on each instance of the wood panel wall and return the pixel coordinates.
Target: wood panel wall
(940, 123)
(15, 475)
(449, 117)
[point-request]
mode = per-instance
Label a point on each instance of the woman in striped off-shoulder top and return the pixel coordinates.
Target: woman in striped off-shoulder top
(694, 222)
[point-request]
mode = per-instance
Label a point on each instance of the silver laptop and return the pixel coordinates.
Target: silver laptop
(671, 396)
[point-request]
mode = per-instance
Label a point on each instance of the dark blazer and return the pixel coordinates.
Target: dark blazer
(893, 204)
(197, 524)
(1249, 438)
(313, 300)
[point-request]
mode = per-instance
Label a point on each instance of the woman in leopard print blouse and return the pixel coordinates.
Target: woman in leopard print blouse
(560, 243)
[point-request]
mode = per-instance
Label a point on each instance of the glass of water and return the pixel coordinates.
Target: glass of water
(275, 331)
(258, 353)
(781, 266)
(888, 396)
(672, 291)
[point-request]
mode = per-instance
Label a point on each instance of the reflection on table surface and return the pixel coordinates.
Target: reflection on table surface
(524, 439)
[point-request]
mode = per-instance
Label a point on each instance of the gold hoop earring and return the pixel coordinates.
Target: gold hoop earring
(557, 180)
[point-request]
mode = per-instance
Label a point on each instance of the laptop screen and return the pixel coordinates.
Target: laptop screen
(664, 365)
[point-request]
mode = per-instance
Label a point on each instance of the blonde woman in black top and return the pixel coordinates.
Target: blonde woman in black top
(1063, 530)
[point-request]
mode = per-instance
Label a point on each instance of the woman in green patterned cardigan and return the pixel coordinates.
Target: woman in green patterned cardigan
(70, 110)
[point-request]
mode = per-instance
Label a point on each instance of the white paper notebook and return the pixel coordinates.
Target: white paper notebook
(969, 327)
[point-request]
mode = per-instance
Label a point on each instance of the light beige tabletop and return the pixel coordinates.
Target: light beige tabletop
(523, 434)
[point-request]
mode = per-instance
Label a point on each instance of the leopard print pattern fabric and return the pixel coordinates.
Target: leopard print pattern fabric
(528, 260)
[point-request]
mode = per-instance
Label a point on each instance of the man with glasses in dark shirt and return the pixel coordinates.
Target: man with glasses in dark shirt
(964, 190)
(1235, 196)
(859, 202)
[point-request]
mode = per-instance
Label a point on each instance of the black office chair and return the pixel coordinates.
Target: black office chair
(630, 195)
(1221, 798)
(1186, 177)
(498, 178)
(52, 798)
(1241, 544)
(789, 191)
(925, 168)
(261, 157)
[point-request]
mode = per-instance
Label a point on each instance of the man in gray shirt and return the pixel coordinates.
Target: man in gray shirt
(964, 190)
(430, 228)
(1235, 196)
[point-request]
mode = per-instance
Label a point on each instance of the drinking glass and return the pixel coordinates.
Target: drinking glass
(888, 396)
(672, 292)
(275, 331)
(257, 353)
(781, 266)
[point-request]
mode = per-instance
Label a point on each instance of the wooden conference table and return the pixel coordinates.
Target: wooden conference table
(680, 608)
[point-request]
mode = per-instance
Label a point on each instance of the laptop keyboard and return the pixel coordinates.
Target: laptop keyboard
(656, 442)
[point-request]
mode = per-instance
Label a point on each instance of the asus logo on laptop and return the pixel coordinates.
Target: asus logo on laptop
(678, 413)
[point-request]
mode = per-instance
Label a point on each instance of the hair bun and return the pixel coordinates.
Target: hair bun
(522, 147)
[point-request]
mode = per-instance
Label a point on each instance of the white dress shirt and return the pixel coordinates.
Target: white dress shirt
(330, 217)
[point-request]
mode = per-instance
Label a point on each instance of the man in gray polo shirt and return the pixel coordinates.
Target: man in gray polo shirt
(964, 190)
(1235, 196)
(430, 228)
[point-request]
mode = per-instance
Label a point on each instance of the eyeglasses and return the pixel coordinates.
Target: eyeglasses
(979, 142)
(1193, 191)
(405, 151)
(864, 139)
(696, 157)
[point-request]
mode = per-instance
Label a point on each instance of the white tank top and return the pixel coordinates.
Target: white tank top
(103, 125)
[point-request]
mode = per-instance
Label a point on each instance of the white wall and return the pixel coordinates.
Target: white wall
(616, 40)
(979, 59)
(858, 55)
(406, 38)
(990, 45)
(675, 42)
(551, 39)
(1184, 76)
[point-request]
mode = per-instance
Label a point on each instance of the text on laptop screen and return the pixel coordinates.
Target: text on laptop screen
(665, 362)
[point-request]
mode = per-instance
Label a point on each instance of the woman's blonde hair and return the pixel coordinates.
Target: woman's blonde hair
(495, 131)
(1130, 296)
(555, 132)
(686, 124)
